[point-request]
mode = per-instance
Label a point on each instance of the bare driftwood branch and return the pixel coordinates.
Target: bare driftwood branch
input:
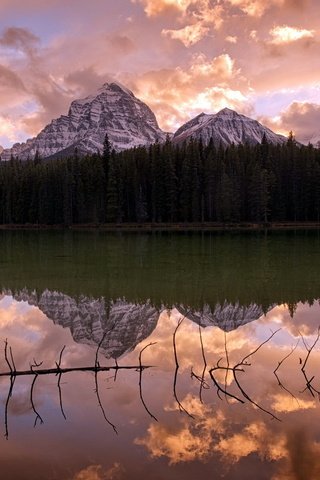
(203, 384)
(239, 367)
(97, 365)
(217, 384)
(309, 381)
(35, 371)
(277, 376)
(201, 379)
(244, 362)
(181, 407)
(59, 382)
(141, 368)
(37, 414)
(12, 380)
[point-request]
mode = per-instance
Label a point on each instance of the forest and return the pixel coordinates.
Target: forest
(169, 183)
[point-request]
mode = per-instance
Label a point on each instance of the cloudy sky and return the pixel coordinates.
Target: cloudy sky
(181, 57)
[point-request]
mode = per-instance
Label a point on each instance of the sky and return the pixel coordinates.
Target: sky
(182, 57)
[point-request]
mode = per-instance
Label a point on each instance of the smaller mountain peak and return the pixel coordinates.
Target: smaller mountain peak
(115, 86)
(227, 111)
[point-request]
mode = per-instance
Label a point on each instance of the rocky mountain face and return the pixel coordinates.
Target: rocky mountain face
(1, 149)
(127, 323)
(113, 109)
(226, 127)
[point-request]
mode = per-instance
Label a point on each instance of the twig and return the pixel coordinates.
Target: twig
(141, 368)
(181, 407)
(12, 380)
(309, 385)
(279, 365)
(202, 383)
(219, 388)
(244, 362)
(37, 414)
(59, 383)
(97, 366)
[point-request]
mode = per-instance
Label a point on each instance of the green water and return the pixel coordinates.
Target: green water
(167, 268)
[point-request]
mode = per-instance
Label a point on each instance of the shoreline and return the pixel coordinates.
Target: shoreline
(169, 227)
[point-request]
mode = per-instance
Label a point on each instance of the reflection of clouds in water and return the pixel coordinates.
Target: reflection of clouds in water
(256, 437)
(97, 472)
(224, 431)
(284, 403)
(213, 434)
(188, 440)
(302, 458)
(306, 318)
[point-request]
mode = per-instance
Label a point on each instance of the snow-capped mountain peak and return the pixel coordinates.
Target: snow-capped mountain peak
(226, 127)
(112, 109)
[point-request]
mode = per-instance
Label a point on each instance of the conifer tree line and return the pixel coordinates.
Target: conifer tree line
(165, 183)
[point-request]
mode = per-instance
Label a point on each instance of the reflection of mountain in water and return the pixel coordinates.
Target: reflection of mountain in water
(127, 323)
(227, 316)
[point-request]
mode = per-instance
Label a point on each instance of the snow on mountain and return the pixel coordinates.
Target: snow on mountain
(113, 109)
(313, 138)
(226, 127)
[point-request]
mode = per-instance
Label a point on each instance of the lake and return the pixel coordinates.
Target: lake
(159, 355)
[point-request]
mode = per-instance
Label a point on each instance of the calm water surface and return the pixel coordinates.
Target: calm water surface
(230, 325)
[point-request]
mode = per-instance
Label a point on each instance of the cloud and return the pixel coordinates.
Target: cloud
(282, 35)
(20, 38)
(255, 8)
(8, 129)
(231, 39)
(201, 17)
(204, 85)
(188, 35)
(159, 7)
(121, 44)
(10, 80)
(96, 472)
(282, 402)
(302, 118)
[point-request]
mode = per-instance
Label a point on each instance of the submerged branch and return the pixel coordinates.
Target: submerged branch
(141, 368)
(309, 381)
(277, 376)
(181, 407)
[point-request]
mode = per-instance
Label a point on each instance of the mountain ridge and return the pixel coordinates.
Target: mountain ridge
(226, 127)
(129, 122)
